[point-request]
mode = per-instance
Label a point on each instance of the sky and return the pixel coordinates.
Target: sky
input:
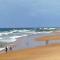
(29, 13)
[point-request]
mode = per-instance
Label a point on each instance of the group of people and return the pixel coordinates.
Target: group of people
(6, 49)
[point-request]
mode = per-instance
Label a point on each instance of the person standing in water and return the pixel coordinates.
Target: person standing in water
(6, 49)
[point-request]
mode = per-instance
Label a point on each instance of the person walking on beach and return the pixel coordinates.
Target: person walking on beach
(6, 49)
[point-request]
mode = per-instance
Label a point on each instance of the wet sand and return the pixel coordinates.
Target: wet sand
(50, 52)
(45, 38)
(52, 39)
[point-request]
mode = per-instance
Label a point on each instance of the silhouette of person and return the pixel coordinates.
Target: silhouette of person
(6, 49)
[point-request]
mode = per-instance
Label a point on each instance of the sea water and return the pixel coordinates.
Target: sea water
(8, 35)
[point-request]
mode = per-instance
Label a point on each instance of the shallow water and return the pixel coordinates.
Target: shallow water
(25, 35)
(28, 42)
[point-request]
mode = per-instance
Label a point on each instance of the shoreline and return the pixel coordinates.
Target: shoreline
(43, 34)
(50, 52)
(45, 38)
(19, 41)
(46, 52)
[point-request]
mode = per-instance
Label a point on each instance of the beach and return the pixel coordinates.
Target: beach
(51, 52)
(32, 46)
(36, 52)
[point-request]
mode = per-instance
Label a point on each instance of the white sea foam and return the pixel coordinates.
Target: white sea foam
(33, 32)
(46, 32)
(45, 28)
(24, 30)
(52, 28)
(13, 37)
(7, 40)
(10, 36)
(4, 33)
(14, 31)
(2, 49)
(1, 38)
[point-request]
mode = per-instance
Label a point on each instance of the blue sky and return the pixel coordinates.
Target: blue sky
(29, 13)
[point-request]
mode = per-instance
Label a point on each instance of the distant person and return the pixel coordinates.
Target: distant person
(6, 49)
(10, 48)
(47, 42)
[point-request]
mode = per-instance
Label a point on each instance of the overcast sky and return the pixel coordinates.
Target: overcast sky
(29, 13)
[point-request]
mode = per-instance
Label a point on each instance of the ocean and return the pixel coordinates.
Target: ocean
(8, 35)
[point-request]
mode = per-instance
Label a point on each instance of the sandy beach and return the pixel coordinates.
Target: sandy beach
(49, 52)
(45, 38)
(55, 36)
